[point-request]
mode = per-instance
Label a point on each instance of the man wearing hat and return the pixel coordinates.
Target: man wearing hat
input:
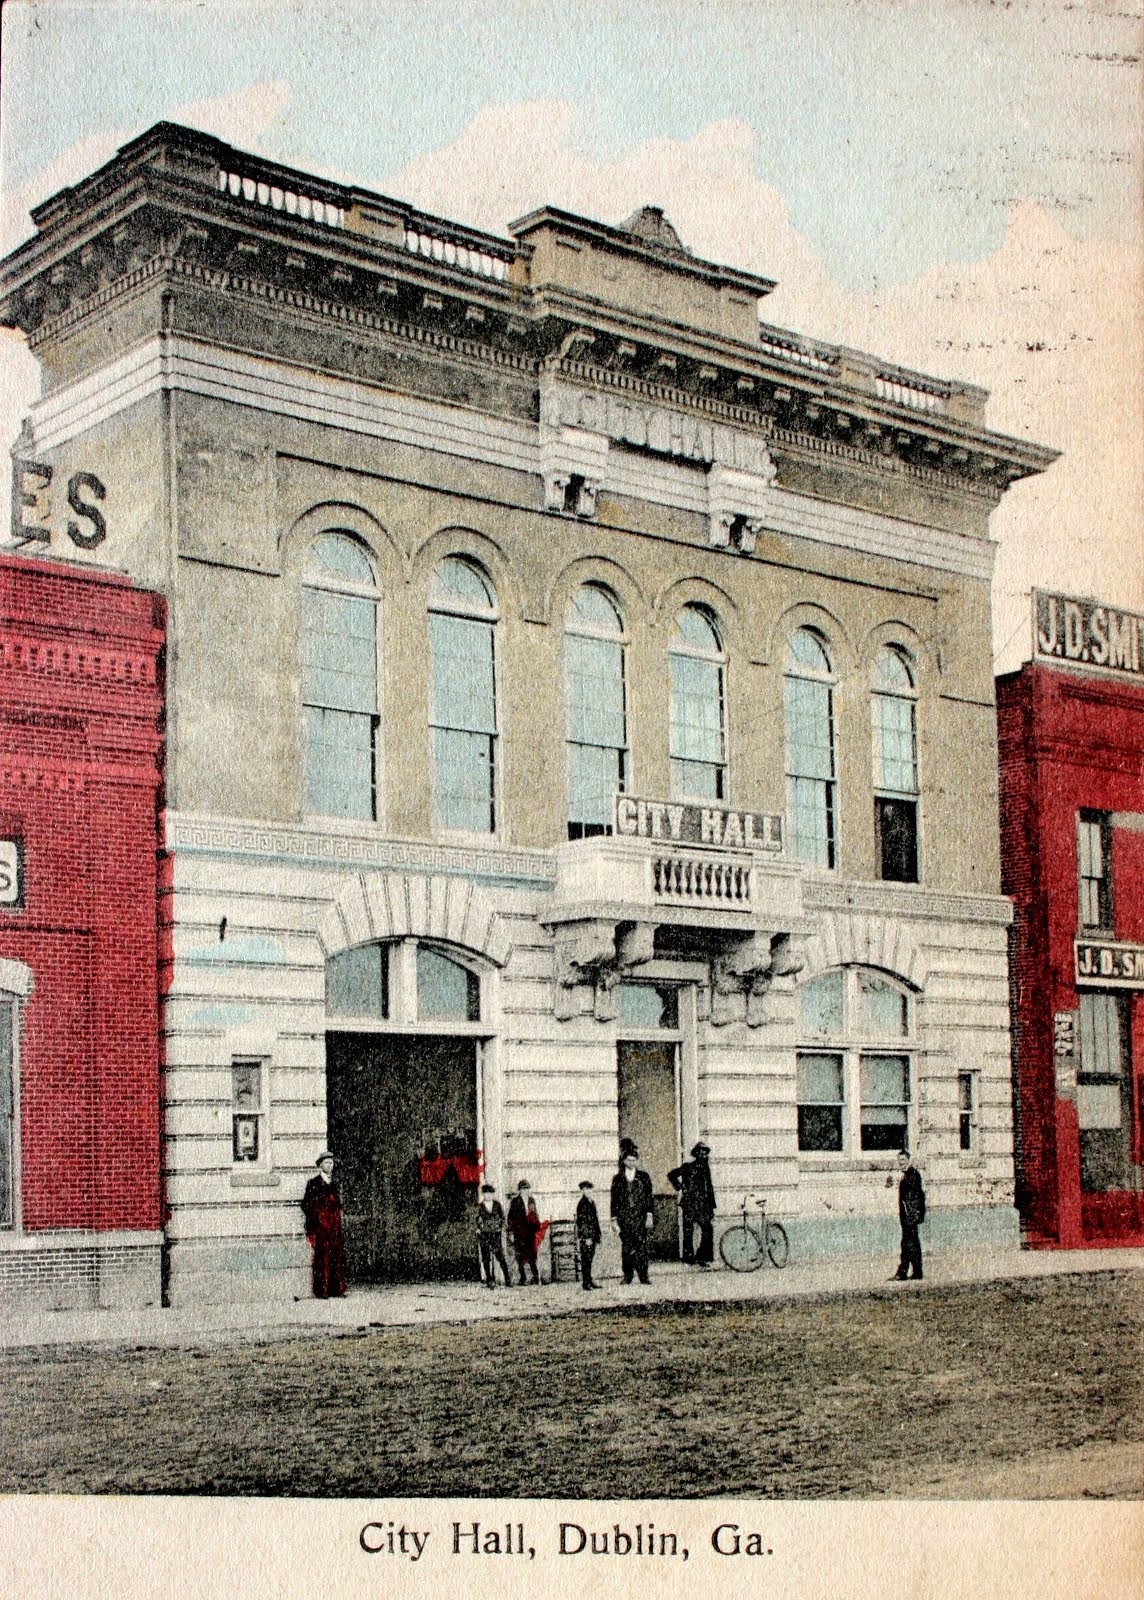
(524, 1229)
(490, 1228)
(632, 1214)
(322, 1209)
(587, 1233)
(697, 1201)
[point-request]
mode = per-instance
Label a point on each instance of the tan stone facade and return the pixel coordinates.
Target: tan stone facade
(244, 374)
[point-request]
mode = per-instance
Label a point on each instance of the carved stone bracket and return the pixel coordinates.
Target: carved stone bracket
(738, 504)
(599, 953)
(742, 976)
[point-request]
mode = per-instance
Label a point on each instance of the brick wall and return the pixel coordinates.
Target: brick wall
(1068, 741)
(81, 751)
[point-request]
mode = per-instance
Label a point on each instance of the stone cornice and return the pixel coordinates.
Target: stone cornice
(826, 894)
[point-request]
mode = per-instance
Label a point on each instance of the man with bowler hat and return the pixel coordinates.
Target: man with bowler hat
(697, 1201)
(632, 1213)
(322, 1209)
(587, 1233)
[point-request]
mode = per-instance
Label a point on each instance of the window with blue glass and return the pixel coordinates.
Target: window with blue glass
(597, 721)
(808, 688)
(339, 678)
(698, 713)
(463, 714)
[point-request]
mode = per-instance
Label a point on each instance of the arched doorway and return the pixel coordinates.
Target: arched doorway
(404, 1044)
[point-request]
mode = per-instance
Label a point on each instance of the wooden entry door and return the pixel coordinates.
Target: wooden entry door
(402, 1118)
(649, 1114)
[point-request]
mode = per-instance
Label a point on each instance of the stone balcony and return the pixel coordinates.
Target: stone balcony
(613, 895)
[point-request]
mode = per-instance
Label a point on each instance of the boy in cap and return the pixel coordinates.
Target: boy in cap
(697, 1201)
(524, 1229)
(587, 1233)
(490, 1227)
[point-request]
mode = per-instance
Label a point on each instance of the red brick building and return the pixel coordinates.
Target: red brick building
(81, 747)
(1071, 734)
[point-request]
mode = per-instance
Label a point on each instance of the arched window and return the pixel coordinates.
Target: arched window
(854, 1077)
(597, 722)
(463, 715)
(809, 697)
(339, 678)
(895, 726)
(698, 724)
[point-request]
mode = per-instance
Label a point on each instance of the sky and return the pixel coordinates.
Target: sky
(955, 186)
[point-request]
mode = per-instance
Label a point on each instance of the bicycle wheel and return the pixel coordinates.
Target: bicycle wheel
(778, 1247)
(740, 1248)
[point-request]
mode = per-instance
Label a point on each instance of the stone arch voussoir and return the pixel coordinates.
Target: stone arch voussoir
(379, 906)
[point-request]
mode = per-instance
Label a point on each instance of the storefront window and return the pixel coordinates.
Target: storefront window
(698, 729)
(339, 678)
(853, 1099)
(462, 630)
(597, 725)
(808, 689)
(1104, 1106)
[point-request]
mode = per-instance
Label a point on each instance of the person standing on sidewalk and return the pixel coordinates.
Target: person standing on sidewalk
(697, 1200)
(524, 1229)
(588, 1233)
(911, 1214)
(632, 1213)
(490, 1230)
(322, 1209)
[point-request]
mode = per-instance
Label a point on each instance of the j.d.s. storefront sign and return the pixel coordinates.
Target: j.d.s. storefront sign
(1109, 963)
(1087, 633)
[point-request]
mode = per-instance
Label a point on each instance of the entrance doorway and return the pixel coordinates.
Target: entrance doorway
(402, 1118)
(649, 1114)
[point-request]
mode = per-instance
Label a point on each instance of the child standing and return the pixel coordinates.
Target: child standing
(587, 1233)
(490, 1228)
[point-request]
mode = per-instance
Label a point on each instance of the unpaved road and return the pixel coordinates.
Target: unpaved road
(1023, 1389)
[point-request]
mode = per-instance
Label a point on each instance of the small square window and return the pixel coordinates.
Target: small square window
(248, 1143)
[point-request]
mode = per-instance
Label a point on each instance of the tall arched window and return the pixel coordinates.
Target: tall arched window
(339, 678)
(895, 727)
(698, 724)
(597, 722)
(463, 715)
(809, 697)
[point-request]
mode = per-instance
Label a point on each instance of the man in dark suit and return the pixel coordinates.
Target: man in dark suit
(587, 1233)
(911, 1214)
(322, 1209)
(697, 1199)
(632, 1214)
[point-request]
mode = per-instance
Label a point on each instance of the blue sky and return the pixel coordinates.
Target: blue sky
(953, 185)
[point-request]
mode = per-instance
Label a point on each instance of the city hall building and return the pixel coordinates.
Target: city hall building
(1071, 731)
(580, 715)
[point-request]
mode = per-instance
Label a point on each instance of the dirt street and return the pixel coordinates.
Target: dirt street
(1018, 1390)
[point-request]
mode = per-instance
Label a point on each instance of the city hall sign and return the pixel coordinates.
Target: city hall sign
(680, 822)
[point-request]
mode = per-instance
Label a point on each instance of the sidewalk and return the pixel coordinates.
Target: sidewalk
(416, 1304)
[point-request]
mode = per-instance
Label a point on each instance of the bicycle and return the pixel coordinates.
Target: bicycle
(745, 1245)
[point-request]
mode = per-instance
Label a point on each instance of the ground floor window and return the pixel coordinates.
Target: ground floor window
(967, 1104)
(1104, 1094)
(248, 1113)
(854, 1097)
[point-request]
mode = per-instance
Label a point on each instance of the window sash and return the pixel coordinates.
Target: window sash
(464, 673)
(810, 728)
(895, 744)
(340, 763)
(595, 774)
(446, 989)
(340, 655)
(697, 711)
(811, 806)
(821, 1102)
(247, 1091)
(464, 772)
